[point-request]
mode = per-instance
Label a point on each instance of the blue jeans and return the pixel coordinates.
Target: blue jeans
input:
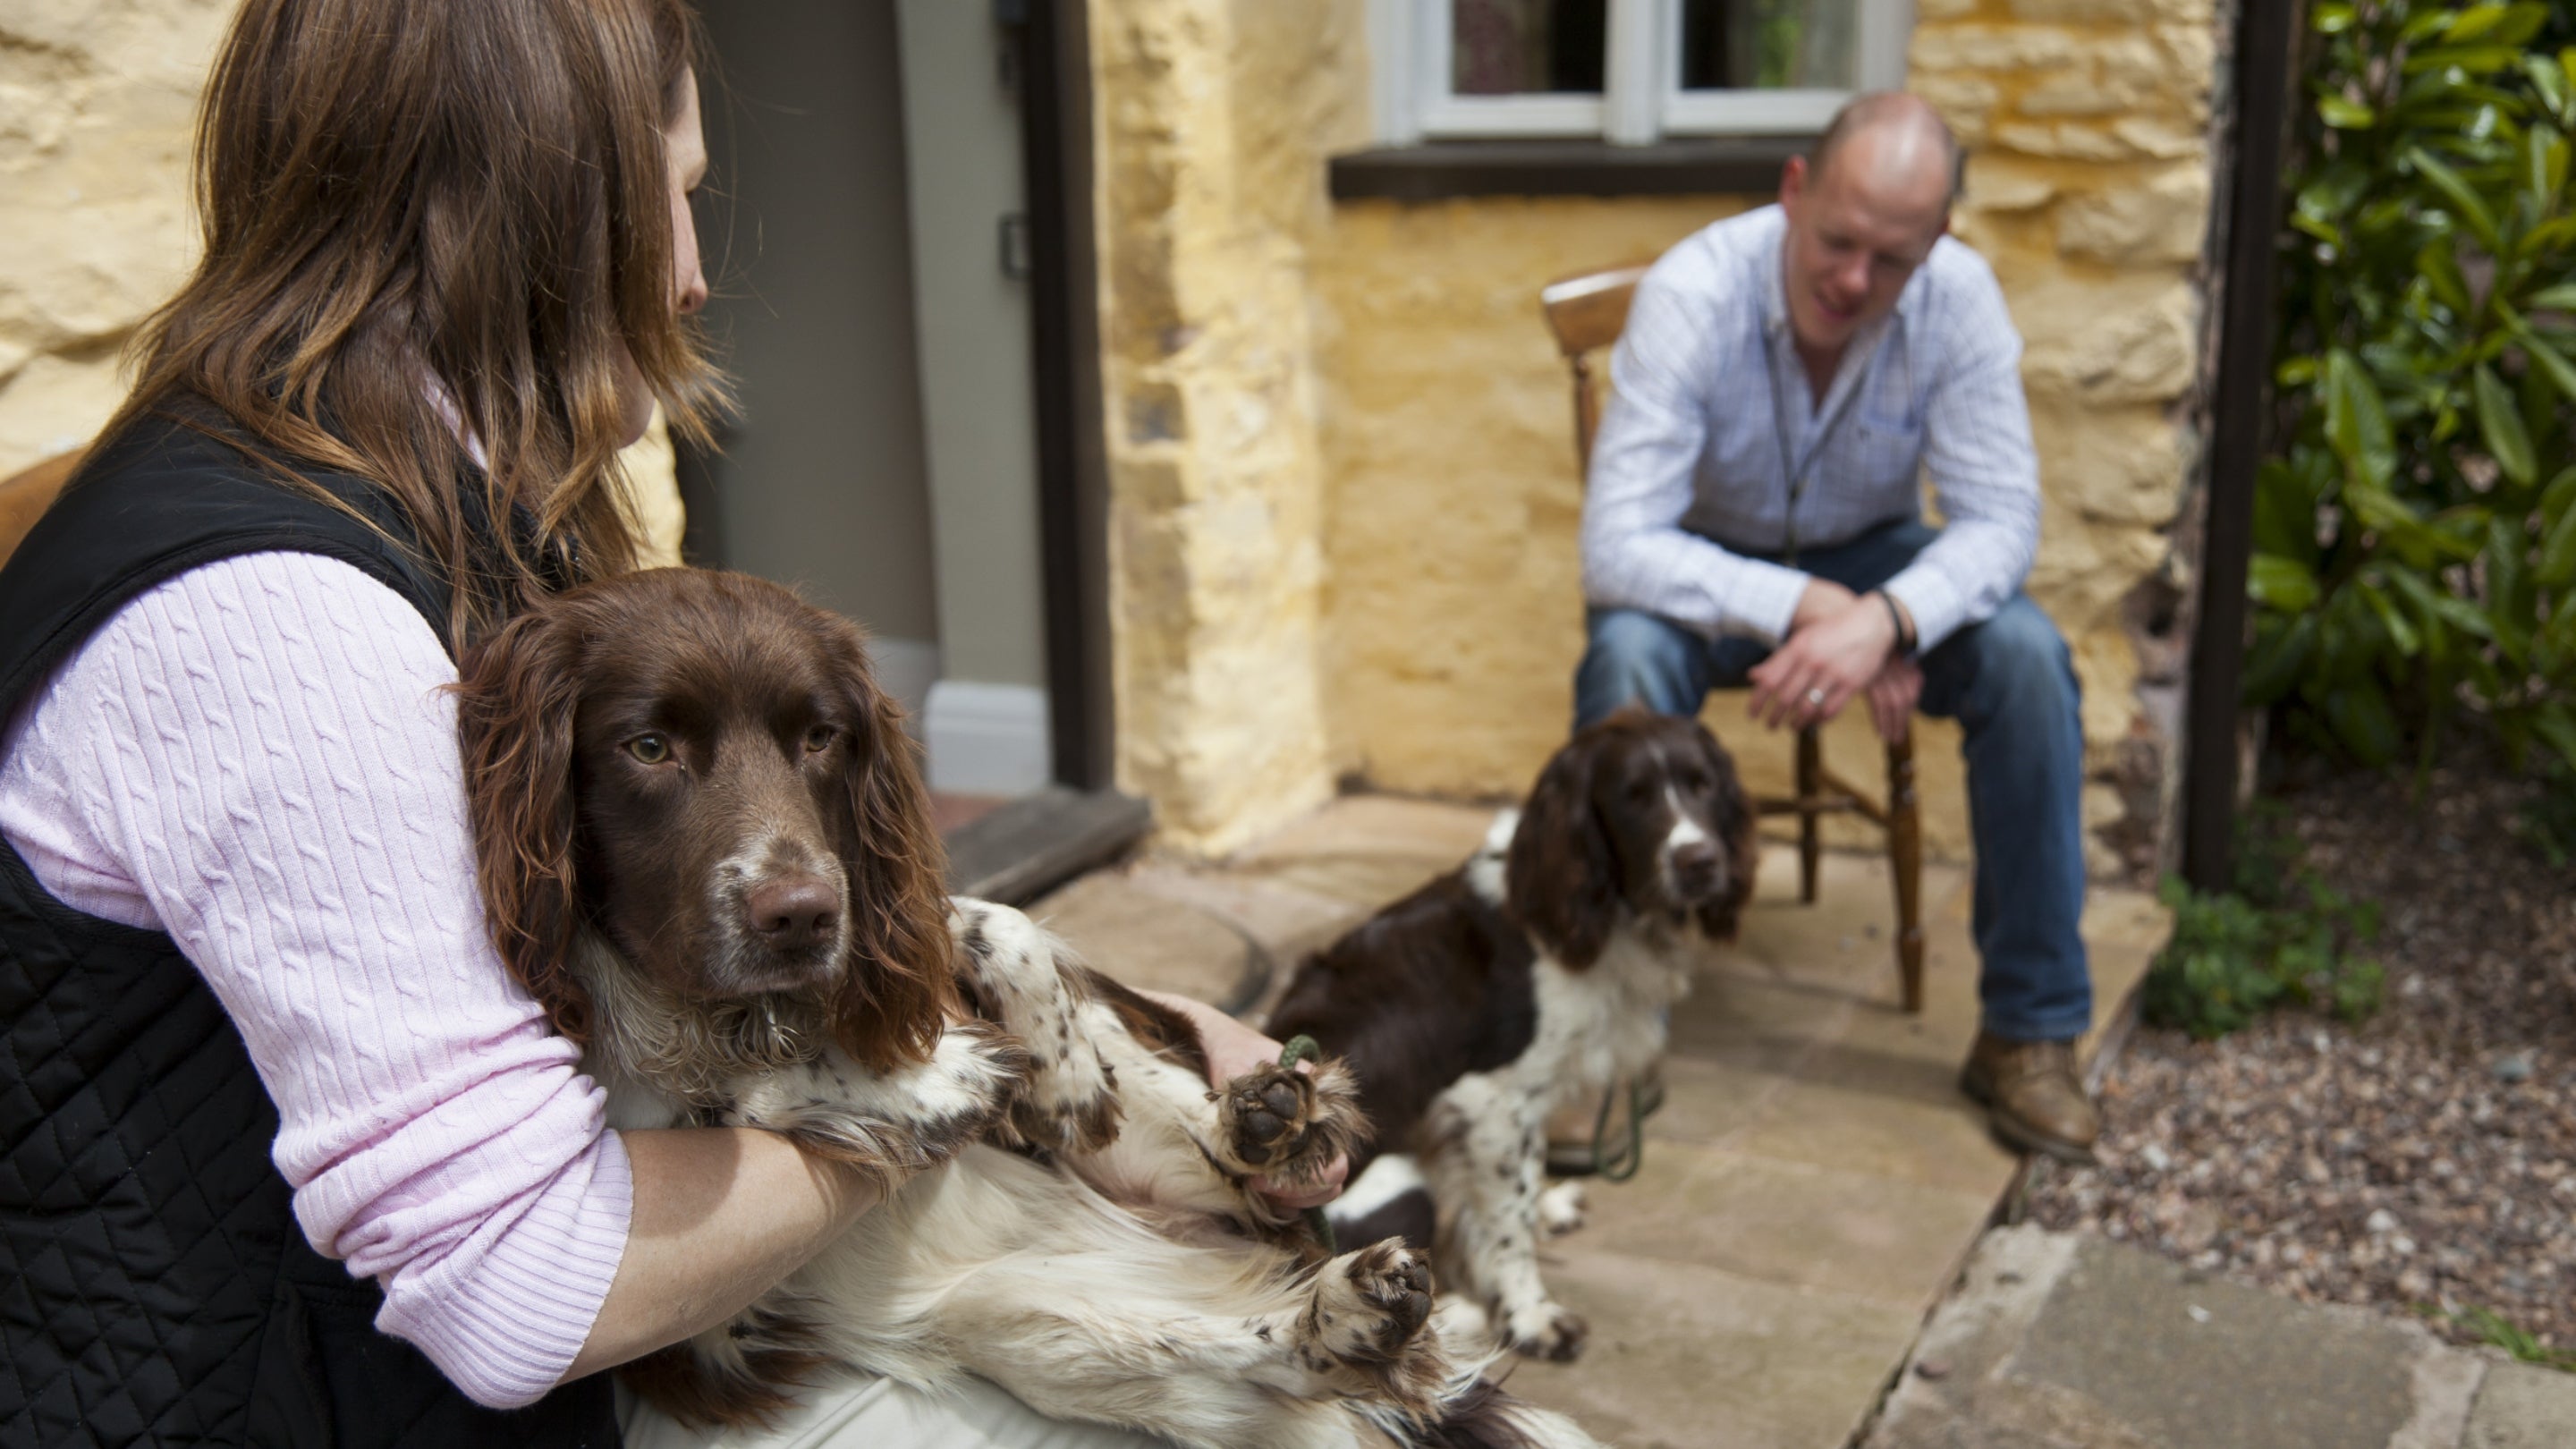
(2010, 683)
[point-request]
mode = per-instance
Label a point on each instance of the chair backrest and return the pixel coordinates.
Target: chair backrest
(1586, 312)
(24, 497)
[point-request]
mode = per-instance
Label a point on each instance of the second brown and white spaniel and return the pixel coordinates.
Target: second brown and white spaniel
(705, 851)
(1536, 976)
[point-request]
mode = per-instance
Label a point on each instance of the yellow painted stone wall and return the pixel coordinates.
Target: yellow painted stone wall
(97, 102)
(1215, 116)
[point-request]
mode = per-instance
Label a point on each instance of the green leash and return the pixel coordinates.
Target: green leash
(1302, 1048)
(1633, 1156)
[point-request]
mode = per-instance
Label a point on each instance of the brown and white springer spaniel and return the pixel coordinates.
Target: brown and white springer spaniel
(705, 850)
(1533, 977)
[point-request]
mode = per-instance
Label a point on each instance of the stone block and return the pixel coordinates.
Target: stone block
(1965, 101)
(2130, 339)
(2119, 466)
(2067, 140)
(2162, 137)
(1993, 48)
(55, 405)
(2521, 1407)
(2007, 183)
(2165, 219)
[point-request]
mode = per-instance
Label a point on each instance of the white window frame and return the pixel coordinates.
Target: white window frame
(1642, 99)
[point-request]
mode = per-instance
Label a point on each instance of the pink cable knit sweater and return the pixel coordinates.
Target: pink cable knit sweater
(256, 758)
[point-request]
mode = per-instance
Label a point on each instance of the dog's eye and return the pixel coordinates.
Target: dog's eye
(649, 749)
(819, 738)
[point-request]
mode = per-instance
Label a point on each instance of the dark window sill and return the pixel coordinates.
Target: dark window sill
(1440, 170)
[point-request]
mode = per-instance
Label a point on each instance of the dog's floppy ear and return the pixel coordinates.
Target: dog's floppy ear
(901, 988)
(1561, 882)
(515, 710)
(1732, 813)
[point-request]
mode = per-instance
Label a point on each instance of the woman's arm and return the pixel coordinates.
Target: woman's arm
(721, 1214)
(257, 758)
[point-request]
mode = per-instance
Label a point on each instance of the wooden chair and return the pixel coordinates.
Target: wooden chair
(1586, 312)
(25, 496)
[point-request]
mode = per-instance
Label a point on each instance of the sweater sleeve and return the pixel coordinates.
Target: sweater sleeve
(258, 755)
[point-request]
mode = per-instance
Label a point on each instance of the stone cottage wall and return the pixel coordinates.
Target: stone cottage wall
(98, 101)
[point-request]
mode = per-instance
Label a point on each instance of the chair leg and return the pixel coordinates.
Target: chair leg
(1811, 761)
(1905, 862)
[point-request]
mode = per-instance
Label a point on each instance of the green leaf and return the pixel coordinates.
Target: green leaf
(2345, 115)
(2439, 265)
(2280, 654)
(2501, 423)
(2553, 723)
(2548, 79)
(2357, 420)
(2544, 166)
(2553, 364)
(2474, 21)
(2556, 297)
(2434, 604)
(2558, 552)
(2400, 633)
(2509, 601)
(2464, 198)
(2359, 714)
(2280, 583)
(2331, 19)
(2466, 59)
(2285, 513)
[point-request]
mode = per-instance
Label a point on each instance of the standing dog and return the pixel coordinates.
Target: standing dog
(705, 851)
(1535, 976)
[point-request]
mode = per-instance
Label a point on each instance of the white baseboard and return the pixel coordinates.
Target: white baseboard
(987, 739)
(906, 668)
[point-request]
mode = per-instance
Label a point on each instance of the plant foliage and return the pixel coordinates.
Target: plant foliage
(2415, 541)
(2281, 935)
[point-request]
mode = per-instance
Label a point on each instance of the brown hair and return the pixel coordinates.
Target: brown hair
(469, 194)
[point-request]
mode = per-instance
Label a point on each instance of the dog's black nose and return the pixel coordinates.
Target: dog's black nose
(1695, 865)
(793, 912)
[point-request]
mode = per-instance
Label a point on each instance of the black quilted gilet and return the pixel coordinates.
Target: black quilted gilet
(154, 1287)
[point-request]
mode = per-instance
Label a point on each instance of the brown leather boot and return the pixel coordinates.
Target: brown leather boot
(2033, 1095)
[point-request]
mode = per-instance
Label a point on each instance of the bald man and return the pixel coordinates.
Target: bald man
(1753, 516)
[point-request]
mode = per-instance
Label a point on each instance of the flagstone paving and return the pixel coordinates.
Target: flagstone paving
(1811, 1186)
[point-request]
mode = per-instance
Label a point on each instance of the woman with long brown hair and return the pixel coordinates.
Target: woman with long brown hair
(285, 1157)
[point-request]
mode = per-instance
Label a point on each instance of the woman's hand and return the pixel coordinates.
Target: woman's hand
(1232, 1050)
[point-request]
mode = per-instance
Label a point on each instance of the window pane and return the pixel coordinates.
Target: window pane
(1769, 44)
(1527, 47)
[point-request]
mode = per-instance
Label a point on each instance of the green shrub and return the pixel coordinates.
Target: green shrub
(2415, 541)
(2282, 934)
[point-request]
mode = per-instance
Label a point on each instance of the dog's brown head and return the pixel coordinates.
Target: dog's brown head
(701, 767)
(1640, 815)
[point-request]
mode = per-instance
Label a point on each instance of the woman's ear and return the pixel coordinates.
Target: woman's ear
(900, 990)
(1736, 825)
(1560, 881)
(515, 708)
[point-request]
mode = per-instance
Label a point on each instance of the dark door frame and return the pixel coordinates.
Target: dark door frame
(1064, 295)
(2266, 52)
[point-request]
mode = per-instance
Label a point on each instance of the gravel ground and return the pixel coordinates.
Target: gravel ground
(2423, 1160)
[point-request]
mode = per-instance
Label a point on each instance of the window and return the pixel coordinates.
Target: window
(1627, 71)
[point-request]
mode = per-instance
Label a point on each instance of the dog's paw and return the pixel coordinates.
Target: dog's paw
(1288, 1125)
(1560, 1209)
(1369, 1310)
(890, 1124)
(1546, 1331)
(1021, 978)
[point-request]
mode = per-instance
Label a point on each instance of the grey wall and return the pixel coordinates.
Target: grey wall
(962, 130)
(821, 482)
